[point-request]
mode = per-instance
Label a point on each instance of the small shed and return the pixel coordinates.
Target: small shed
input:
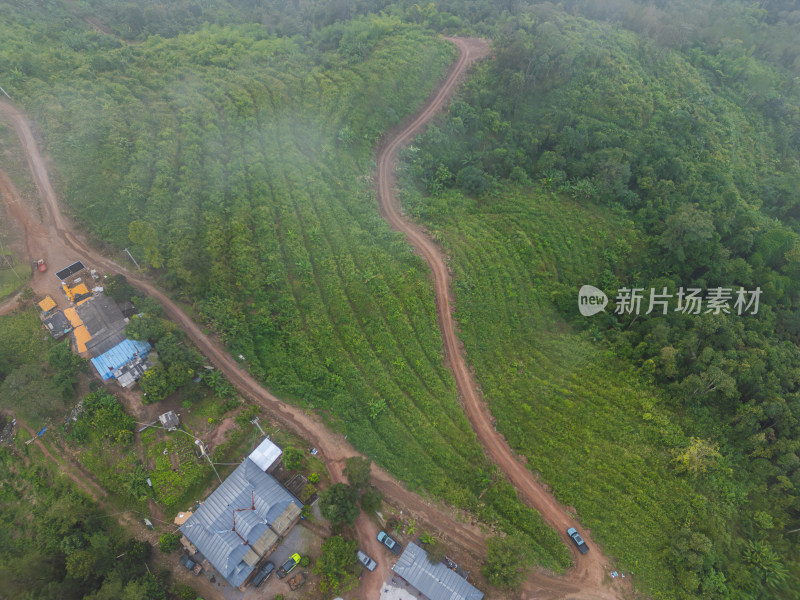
(169, 420)
(58, 325)
(266, 454)
(47, 305)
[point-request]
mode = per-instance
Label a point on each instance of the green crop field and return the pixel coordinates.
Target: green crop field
(593, 427)
(589, 154)
(236, 165)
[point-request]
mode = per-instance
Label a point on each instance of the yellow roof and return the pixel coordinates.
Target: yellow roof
(73, 317)
(47, 304)
(80, 289)
(81, 337)
(182, 517)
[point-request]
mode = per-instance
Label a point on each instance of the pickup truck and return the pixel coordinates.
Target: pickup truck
(391, 544)
(287, 567)
(583, 547)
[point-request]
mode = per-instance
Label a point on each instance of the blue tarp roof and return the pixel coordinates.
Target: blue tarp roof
(119, 355)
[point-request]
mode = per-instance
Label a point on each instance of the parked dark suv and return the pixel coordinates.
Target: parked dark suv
(263, 574)
(576, 537)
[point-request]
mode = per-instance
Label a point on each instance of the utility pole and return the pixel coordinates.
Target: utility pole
(6, 93)
(255, 422)
(133, 259)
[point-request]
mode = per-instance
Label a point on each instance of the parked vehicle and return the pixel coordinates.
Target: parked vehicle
(287, 567)
(583, 548)
(392, 545)
(263, 574)
(366, 561)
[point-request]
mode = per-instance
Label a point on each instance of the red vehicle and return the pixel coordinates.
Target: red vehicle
(41, 265)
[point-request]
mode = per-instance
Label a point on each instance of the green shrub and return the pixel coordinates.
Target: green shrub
(169, 542)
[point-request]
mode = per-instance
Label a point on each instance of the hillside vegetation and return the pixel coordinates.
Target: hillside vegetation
(236, 166)
(585, 154)
(620, 144)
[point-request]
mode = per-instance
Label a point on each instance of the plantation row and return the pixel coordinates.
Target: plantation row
(589, 425)
(236, 166)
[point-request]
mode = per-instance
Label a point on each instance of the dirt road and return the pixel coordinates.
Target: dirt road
(63, 244)
(590, 570)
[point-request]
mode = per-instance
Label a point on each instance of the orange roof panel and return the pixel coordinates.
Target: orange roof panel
(73, 317)
(82, 336)
(80, 289)
(47, 304)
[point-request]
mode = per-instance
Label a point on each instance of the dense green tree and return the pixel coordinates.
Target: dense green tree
(294, 459)
(357, 471)
(169, 542)
(338, 504)
(371, 500)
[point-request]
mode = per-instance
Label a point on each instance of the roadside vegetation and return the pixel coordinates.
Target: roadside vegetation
(56, 543)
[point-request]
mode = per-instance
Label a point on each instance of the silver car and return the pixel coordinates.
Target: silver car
(366, 561)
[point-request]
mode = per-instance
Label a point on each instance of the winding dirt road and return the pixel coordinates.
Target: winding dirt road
(57, 240)
(590, 568)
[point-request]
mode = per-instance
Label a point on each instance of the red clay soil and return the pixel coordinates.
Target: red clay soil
(62, 244)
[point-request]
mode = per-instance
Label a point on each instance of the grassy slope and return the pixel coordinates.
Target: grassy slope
(589, 424)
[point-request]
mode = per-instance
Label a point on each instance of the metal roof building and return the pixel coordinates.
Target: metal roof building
(435, 582)
(265, 454)
(118, 356)
(105, 323)
(241, 521)
(169, 420)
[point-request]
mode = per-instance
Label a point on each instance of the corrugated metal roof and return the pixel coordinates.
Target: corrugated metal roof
(437, 582)
(262, 544)
(283, 523)
(119, 355)
(210, 528)
(265, 454)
